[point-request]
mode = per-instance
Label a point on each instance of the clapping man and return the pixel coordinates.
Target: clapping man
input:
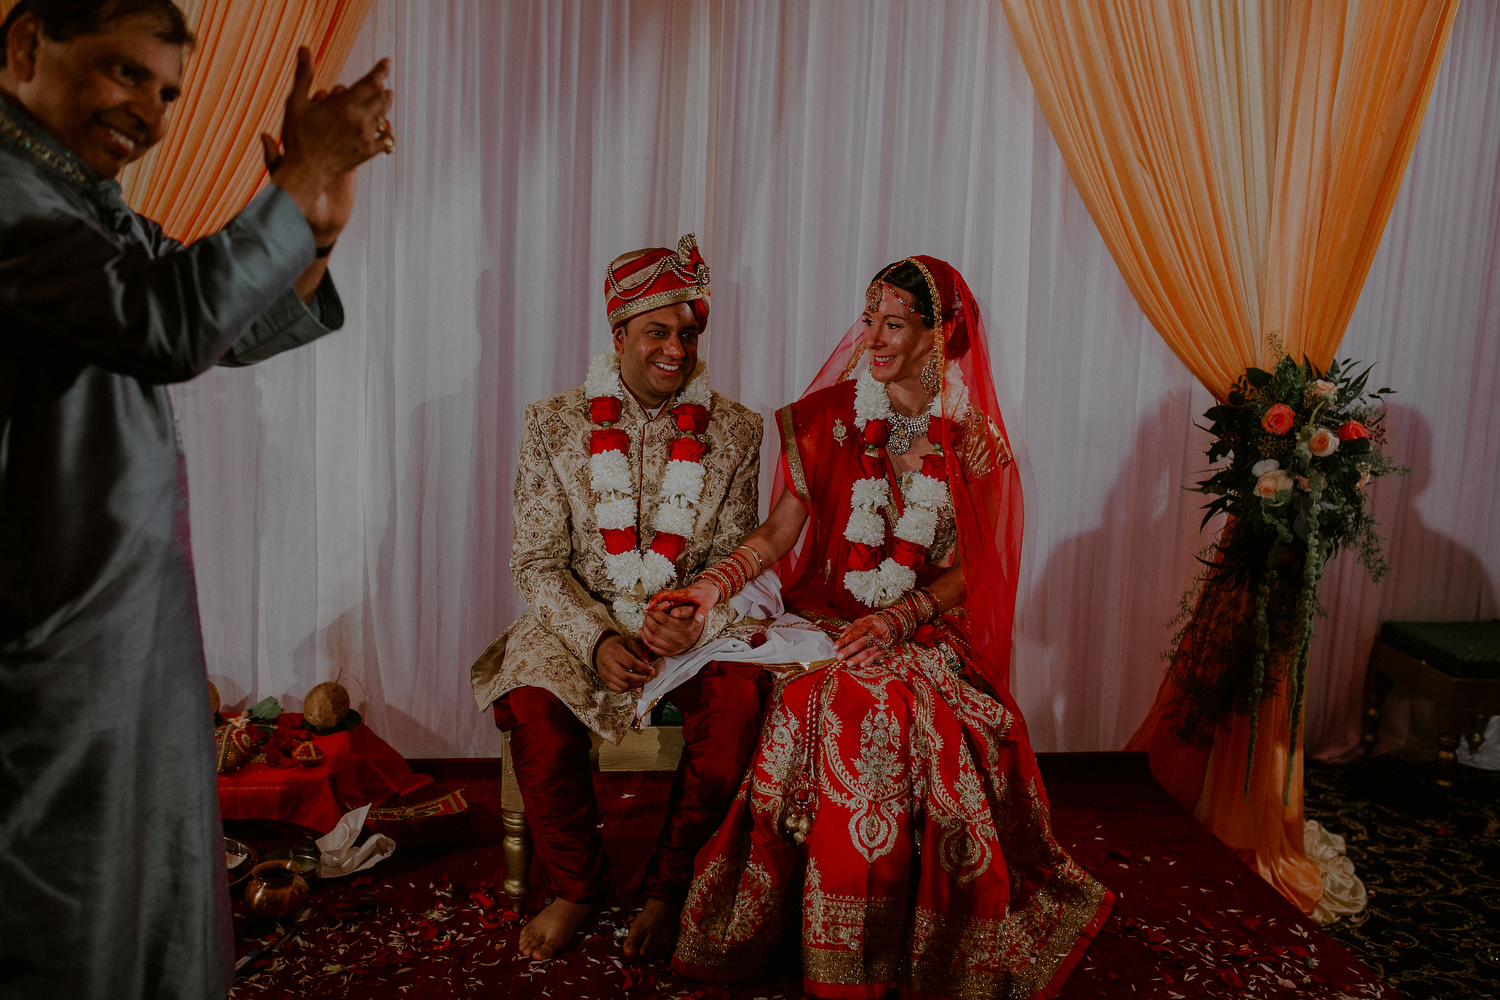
(111, 855)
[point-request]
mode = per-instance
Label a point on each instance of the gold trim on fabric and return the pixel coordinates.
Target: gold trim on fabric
(670, 298)
(29, 146)
(1032, 941)
(853, 362)
(937, 328)
(982, 448)
(850, 968)
(793, 454)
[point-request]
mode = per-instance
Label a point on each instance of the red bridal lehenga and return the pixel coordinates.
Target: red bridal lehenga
(930, 864)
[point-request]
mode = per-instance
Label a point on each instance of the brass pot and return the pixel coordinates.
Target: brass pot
(275, 889)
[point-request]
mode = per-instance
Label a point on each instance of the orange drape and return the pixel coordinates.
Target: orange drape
(1240, 161)
(236, 80)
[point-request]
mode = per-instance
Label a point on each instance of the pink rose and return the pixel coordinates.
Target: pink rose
(1278, 419)
(1323, 442)
(1271, 483)
(1322, 387)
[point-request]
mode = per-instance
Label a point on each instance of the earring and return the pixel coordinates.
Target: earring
(929, 374)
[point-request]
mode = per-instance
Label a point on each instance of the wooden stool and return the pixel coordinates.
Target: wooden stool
(654, 748)
(1456, 664)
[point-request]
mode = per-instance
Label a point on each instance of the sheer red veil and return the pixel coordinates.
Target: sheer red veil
(987, 507)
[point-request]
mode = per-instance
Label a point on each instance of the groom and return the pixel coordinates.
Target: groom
(631, 483)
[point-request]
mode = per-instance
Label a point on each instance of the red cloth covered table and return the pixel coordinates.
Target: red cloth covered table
(357, 767)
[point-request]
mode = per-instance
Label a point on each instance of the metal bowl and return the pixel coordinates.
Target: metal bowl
(239, 858)
(307, 857)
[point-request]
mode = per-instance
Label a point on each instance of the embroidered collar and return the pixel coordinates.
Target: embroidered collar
(20, 134)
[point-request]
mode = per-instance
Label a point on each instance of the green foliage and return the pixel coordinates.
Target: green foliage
(1292, 509)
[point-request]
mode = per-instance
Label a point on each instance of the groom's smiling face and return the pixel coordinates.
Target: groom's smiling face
(658, 351)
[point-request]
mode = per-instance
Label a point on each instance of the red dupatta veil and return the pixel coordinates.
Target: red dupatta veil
(987, 508)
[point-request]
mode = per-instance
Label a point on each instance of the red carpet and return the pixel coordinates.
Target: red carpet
(1190, 919)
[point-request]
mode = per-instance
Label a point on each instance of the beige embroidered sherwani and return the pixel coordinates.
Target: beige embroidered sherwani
(557, 555)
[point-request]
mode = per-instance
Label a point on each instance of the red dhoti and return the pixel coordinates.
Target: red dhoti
(550, 750)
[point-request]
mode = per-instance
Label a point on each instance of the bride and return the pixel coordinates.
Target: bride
(893, 804)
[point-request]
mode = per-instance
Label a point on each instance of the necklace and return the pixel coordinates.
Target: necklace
(901, 429)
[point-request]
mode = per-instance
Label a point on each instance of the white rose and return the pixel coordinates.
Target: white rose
(1271, 483)
(1323, 443)
(1264, 466)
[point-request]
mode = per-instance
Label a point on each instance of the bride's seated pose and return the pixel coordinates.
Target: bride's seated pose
(893, 804)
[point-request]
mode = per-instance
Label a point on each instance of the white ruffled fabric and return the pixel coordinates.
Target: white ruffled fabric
(1344, 894)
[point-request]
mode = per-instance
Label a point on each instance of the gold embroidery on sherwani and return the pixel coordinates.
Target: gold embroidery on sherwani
(557, 553)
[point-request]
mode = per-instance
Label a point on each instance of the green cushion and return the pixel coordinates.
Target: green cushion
(1459, 649)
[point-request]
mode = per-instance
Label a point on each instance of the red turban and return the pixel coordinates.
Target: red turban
(643, 280)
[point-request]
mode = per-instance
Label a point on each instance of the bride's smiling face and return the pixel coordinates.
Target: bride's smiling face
(896, 337)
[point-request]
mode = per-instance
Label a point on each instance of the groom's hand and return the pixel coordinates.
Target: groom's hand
(623, 664)
(668, 631)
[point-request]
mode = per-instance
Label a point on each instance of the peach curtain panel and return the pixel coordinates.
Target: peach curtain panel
(235, 83)
(1240, 159)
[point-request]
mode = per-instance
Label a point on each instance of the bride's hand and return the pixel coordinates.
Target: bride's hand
(701, 595)
(867, 639)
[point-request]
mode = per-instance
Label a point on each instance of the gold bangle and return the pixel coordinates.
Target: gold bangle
(760, 564)
(750, 573)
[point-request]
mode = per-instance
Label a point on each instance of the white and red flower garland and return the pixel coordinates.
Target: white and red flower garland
(877, 582)
(637, 574)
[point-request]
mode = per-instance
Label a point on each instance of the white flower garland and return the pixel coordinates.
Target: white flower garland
(636, 572)
(925, 497)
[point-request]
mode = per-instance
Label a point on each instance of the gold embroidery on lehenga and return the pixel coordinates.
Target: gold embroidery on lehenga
(976, 821)
(875, 794)
(735, 920)
(850, 939)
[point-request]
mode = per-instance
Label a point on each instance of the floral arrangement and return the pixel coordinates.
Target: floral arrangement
(1301, 446)
(877, 582)
(634, 573)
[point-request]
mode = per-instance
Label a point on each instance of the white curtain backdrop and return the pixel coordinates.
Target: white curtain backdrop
(351, 501)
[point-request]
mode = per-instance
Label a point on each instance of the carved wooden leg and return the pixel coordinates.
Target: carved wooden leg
(516, 847)
(1476, 732)
(1447, 743)
(1377, 686)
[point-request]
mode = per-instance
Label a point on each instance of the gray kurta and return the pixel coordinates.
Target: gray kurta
(112, 879)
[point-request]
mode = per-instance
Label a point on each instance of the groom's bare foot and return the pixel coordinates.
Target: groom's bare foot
(549, 930)
(654, 931)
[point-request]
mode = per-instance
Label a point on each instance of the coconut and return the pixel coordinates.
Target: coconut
(325, 705)
(213, 699)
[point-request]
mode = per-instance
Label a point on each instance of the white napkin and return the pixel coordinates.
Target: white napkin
(789, 639)
(339, 854)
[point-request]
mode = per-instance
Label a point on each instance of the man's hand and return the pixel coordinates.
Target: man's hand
(623, 664)
(668, 631)
(700, 595)
(324, 137)
(329, 212)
